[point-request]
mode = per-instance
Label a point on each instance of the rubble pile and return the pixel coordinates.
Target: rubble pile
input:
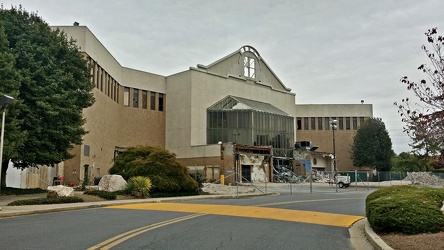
(424, 178)
(210, 188)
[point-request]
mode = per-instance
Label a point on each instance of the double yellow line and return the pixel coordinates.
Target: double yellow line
(114, 241)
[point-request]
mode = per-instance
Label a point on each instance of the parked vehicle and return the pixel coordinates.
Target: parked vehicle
(342, 181)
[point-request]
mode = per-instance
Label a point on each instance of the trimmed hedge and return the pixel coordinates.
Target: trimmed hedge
(22, 191)
(406, 209)
(102, 194)
(44, 201)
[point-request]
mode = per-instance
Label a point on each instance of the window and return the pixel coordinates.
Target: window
(135, 98)
(313, 123)
(126, 91)
(327, 123)
(347, 123)
(86, 150)
(144, 99)
(320, 123)
(160, 102)
(361, 121)
(153, 101)
(305, 123)
(355, 123)
(299, 123)
(341, 123)
(249, 67)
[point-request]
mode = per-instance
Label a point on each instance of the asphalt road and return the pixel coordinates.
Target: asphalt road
(298, 220)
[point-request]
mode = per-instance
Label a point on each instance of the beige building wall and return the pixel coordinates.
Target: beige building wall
(181, 126)
(110, 121)
(190, 93)
(323, 138)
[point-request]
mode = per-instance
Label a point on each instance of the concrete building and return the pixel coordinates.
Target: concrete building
(314, 124)
(231, 116)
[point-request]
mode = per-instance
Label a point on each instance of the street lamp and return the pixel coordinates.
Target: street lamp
(5, 102)
(333, 128)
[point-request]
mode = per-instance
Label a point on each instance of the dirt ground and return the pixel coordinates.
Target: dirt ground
(418, 241)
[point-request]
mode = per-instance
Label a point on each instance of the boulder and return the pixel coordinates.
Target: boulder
(112, 183)
(60, 191)
(442, 208)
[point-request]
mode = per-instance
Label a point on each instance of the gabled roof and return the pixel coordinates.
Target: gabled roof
(239, 103)
(240, 51)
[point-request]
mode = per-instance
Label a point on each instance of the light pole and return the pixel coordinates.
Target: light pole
(333, 128)
(5, 102)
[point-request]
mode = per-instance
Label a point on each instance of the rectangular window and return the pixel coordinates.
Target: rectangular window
(298, 123)
(355, 123)
(249, 67)
(126, 91)
(305, 123)
(327, 123)
(153, 100)
(86, 150)
(313, 123)
(319, 123)
(361, 121)
(347, 123)
(160, 102)
(144, 99)
(135, 98)
(341, 123)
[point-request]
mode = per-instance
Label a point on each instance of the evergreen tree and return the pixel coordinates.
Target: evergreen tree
(166, 173)
(372, 146)
(52, 88)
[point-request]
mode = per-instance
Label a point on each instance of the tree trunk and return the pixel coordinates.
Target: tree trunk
(4, 168)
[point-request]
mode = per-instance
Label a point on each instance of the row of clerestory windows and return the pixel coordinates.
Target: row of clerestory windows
(109, 86)
(103, 81)
(324, 123)
(143, 99)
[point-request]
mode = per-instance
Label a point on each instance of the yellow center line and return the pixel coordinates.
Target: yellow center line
(320, 218)
(114, 241)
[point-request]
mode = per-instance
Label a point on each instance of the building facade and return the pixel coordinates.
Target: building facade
(230, 117)
(313, 123)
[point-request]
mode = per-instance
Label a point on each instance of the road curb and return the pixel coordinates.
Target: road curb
(374, 239)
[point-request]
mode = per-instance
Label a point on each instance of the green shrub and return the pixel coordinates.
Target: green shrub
(20, 191)
(406, 209)
(198, 176)
(102, 194)
(43, 201)
(165, 172)
(139, 186)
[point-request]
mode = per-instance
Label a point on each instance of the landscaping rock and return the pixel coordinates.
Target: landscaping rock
(112, 183)
(60, 191)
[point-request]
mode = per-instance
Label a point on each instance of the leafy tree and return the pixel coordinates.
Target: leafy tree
(159, 165)
(52, 88)
(424, 120)
(372, 146)
(408, 162)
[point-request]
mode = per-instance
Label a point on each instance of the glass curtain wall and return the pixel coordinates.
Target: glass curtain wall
(252, 127)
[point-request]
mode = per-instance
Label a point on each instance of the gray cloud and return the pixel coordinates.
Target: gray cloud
(325, 51)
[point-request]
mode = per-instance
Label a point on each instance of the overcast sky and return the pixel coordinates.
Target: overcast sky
(326, 51)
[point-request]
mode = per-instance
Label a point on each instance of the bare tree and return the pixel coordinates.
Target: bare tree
(424, 120)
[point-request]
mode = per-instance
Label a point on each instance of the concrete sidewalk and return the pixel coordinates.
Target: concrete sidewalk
(362, 236)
